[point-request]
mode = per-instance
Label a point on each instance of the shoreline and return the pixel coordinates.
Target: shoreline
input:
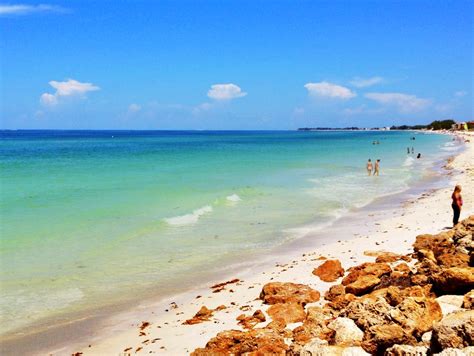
(172, 334)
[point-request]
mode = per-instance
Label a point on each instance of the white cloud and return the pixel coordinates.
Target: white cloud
(405, 103)
(20, 9)
(325, 89)
(134, 108)
(460, 93)
(69, 88)
(365, 82)
(225, 92)
(298, 111)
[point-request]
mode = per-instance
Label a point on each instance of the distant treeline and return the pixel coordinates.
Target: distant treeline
(435, 125)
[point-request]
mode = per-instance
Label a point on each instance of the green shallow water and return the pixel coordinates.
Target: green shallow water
(95, 216)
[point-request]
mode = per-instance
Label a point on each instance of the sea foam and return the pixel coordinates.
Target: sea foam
(189, 218)
(233, 198)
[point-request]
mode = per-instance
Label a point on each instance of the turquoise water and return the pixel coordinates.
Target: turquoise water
(95, 216)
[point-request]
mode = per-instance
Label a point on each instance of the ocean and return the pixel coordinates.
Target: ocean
(93, 218)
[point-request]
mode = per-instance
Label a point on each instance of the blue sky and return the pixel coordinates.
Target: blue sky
(234, 64)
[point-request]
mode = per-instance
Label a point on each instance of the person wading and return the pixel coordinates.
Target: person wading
(369, 167)
(457, 204)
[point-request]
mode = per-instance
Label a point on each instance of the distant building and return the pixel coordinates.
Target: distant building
(460, 126)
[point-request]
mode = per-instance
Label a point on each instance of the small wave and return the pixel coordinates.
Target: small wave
(408, 162)
(233, 198)
(189, 218)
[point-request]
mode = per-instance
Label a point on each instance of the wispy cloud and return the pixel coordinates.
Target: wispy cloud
(225, 92)
(365, 82)
(69, 88)
(133, 109)
(405, 103)
(460, 93)
(21, 9)
(329, 90)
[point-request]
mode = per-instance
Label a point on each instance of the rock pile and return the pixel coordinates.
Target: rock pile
(386, 307)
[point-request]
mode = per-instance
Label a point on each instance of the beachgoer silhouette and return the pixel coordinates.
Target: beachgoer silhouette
(456, 204)
(419, 155)
(377, 167)
(412, 150)
(369, 167)
(408, 150)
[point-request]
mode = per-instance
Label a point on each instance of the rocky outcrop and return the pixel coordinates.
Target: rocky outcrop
(277, 292)
(455, 330)
(329, 271)
(384, 307)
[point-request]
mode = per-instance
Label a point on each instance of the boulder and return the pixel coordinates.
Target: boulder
(203, 314)
(346, 332)
(467, 351)
(455, 280)
(363, 284)
(455, 330)
(388, 257)
(453, 259)
(406, 350)
(416, 315)
(317, 347)
(334, 292)
(341, 301)
(380, 337)
(277, 292)
(254, 342)
(314, 326)
(287, 313)
(368, 268)
(329, 271)
(367, 313)
(468, 300)
(402, 267)
(450, 303)
(395, 295)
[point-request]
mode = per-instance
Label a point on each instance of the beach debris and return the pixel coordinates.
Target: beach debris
(204, 314)
(329, 271)
(144, 325)
(278, 292)
(223, 284)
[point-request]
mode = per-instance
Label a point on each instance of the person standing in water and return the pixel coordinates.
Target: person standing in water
(377, 168)
(408, 150)
(456, 204)
(369, 167)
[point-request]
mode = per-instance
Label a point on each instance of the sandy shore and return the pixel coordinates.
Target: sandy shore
(392, 229)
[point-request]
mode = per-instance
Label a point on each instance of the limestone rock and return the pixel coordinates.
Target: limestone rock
(406, 350)
(277, 292)
(363, 284)
(367, 312)
(287, 312)
(396, 295)
(329, 271)
(346, 331)
(388, 257)
(456, 280)
(468, 300)
(368, 268)
(455, 330)
(255, 341)
(334, 292)
(379, 337)
(317, 347)
(203, 314)
(450, 303)
(249, 322)
(416, 315)
(467, 351)
(314, 326)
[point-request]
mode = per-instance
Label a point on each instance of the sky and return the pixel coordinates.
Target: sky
(234, 64)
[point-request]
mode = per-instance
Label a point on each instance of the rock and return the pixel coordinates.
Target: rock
(455, 330)
(416, 315)
(363, 284)
(436, 243)
(426, 338)
(450, 303)
(334, 292)
(453, 259)
(314, 326)
(329, 271)
(367, 312)
(395, 295)
(406, 350)
(346, 332)
(402, 267)
(467, 351)
(468, 300)
(341, 301)
(379, 337)
(277, 292)
(368, 268)
(203, 314)
(287, 313)
(388, 257)
(254, 342)
(248, 322)
(457, 280)
(317, 347)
